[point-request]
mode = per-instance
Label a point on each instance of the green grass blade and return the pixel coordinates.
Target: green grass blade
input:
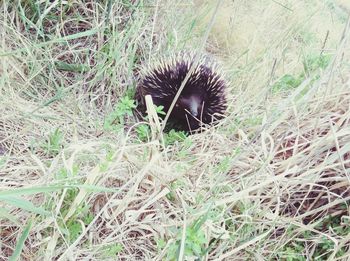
(19, 246)
(24, 204)
(5, 214)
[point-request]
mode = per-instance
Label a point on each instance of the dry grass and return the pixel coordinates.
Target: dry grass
(81, 179)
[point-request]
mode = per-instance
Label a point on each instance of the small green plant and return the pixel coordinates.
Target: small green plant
(68, 200)
(242, 229)
(173, 186)
(109, 158)
(196, 241)
(82, 216)
(73, 229)
(112, 250)
(54, 143)
(224, 165)
(143, 132)
(160, 244)
(160, 110)
(293, 252)
(174, 136)
(326, 246)
(323, 247)
(185, 149)
(313, 62)
(287, 82)
(116, 119)
(88, 218)
(65, 173)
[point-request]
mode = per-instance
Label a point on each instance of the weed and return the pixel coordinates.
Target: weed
(54, 143)
(143, 132)
(314, 62)
(160, 110)
(287, 82)
(109, 158)
(195, 242)
(115, 120)
(72, 230)
(174, 136)
(323, 246)
(185, 149)
(64, 173)
(112, 250)
(311, 64)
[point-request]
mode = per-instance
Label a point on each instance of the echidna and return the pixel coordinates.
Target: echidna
(202, 100)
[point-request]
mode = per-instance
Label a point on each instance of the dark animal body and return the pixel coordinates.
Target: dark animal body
(202, 100)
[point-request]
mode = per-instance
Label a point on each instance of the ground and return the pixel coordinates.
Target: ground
(82, 178)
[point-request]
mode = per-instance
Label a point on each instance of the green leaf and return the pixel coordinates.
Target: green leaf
(24, 204)
(71, 67)
(19, 246)
(160, 110)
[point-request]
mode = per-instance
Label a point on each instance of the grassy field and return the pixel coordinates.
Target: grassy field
(82, 179)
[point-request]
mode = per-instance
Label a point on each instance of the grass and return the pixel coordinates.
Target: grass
(82, 179)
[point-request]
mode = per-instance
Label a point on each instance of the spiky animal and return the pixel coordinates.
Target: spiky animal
(202, 100)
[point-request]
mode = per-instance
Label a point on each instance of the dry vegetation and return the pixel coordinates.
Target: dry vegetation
(81, 179)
